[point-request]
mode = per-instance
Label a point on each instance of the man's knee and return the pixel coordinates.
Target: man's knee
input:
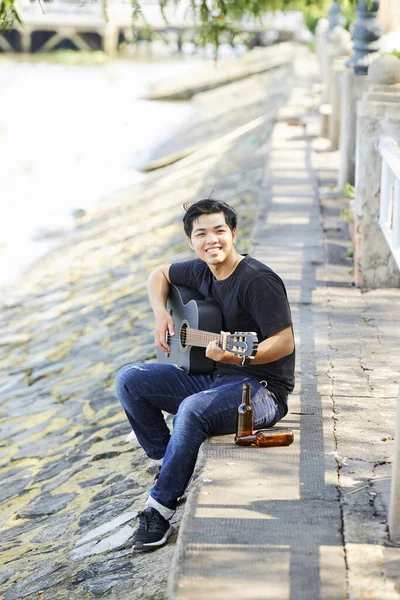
(192, 411)
(127, 379)
(133, 370)
(120, 380)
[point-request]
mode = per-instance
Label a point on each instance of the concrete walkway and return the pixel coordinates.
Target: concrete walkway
(306, 522)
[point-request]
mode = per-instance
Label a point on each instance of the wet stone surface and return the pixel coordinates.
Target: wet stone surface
(46, 505)
(41, 578)
(66, 467)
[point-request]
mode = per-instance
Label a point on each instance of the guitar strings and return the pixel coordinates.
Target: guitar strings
(194, 337)
(194, 334)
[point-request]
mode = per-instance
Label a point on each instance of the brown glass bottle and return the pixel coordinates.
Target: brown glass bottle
(245, 415)
(266, 438)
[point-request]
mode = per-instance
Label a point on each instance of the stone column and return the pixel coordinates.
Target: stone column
(111, 28)
(365, 33)
(26, 39)
(332, 41)
(338, 69)
(110, 39)
(321, 42)
(339, 49)
(377, 114)
(351, 89)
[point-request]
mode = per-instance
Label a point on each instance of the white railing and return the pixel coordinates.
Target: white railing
(389, 215)
(389, 221)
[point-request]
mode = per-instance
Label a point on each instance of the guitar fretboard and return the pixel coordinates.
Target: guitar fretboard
(196, 337)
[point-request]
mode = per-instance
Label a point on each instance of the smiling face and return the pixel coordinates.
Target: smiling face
(213, 241)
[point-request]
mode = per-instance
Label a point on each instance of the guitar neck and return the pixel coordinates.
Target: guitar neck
(201, 339)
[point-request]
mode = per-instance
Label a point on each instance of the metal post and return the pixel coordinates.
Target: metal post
(365, 33)
(335, 17)
(394, 508)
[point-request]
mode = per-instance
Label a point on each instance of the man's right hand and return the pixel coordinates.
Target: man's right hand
(164, 324)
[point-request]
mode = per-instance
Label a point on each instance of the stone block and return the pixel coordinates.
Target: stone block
(352, 87)
(385, 70)
(338, 68)
(374, 264)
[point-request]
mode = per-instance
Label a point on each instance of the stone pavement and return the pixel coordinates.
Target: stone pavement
(70, 482)
(306, 522)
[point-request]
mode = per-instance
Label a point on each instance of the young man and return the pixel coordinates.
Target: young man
(252, 298)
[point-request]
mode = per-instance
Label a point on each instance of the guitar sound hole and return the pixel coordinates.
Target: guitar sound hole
(183, 334)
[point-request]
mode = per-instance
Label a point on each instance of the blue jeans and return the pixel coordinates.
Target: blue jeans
(203, 405)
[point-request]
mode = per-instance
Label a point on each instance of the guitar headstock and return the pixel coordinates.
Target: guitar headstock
(241, 343)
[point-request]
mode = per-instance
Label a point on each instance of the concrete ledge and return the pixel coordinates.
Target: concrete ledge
(222, 539)
(250, 529)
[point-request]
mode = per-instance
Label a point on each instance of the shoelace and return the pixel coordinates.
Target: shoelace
(148, 522)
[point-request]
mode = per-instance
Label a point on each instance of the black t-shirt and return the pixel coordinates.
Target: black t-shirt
(252, 298)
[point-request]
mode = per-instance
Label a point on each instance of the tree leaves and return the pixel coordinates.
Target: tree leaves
(215, 16)
(8, 14)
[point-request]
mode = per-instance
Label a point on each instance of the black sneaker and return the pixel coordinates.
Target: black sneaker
(154, 468)
(153, 530)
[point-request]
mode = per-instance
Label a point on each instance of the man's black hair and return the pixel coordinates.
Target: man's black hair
(207, 206)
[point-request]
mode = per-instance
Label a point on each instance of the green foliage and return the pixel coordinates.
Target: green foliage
(312, 15)
(8, 14)
(348, 9)
(349, 190)
(217, 17)
(346, 215)
(394, 52)
(313, 12)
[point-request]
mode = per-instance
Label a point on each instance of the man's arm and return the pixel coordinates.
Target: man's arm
(276, 346)
(158, 290)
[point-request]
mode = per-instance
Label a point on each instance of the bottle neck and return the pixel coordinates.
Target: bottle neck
(246, 399)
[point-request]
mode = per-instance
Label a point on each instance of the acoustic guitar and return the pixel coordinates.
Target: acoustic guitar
(198, 321)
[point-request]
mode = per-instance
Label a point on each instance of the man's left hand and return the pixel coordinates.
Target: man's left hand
(216, 353)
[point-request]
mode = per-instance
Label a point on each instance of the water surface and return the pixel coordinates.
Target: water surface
(71, 135)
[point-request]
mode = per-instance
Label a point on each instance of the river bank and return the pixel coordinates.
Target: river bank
(66, 466)
(82, 136)
(88, 131)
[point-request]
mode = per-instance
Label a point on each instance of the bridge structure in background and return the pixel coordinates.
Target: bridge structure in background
(88, 26)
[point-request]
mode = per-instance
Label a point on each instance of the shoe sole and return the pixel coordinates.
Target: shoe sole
(141, 546)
